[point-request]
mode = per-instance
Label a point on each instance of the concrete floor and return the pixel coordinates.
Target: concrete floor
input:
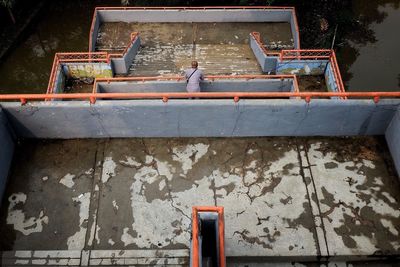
(168, 48)
(128, 201)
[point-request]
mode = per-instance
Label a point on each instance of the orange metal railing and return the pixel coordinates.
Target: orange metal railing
(314, 54)
(195, 261)
(259, 41)
(304, 54)
(194, 8)
(236, 96)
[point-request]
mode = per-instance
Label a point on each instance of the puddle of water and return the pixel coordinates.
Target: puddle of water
(374, 66)
(63, 26)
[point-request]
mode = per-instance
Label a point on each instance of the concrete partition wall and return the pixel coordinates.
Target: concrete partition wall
(190, 118)
(393, 140)
(302, 67)
(253, 85)
(210, 15)
(268, 64)
(330, 80)
(121, 65)
(6, 151)
(96, 20)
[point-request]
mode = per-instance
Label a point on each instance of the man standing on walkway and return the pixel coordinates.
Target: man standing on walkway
(193, 77)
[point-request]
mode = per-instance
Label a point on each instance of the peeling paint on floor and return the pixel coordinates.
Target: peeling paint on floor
(17, 217)
(77, 241)
(68, 180)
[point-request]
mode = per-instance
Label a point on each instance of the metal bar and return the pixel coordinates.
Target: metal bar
(195, 234)
(195, 8)
(199, 95)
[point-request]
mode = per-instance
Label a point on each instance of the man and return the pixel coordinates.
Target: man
(193, 77)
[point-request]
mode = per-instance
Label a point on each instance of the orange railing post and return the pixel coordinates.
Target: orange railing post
(24, 98)
(195, 258)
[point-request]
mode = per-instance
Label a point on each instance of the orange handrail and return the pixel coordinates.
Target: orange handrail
(195, 234)
(257, 38)
(194, 8)
(24, 98)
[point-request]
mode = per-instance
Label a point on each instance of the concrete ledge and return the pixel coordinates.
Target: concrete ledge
(392, 135)
(195, 118)
(6, 152)
(220, 85)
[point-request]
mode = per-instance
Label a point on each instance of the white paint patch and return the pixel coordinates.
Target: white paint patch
(111, 242)
(130, 161)
(126, 238)
(108, 169)
(89, 172)
(388, 224)
(77, 241)
(389, 197)
(250, 151)
(92, 229)
(114, 203)
(68, 180)
(162, 185)
(45, 178)
(96, 236)
(96, 188)
(184, 155)
(17, 217)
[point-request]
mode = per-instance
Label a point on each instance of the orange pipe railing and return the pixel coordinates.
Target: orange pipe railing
(307, 96)
(195, 234)
(195, 8)
(257, 38)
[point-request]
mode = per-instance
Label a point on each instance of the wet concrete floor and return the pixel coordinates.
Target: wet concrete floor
(168, 48)
(128, 201)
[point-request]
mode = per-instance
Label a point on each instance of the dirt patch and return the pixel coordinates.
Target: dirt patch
(312, 83)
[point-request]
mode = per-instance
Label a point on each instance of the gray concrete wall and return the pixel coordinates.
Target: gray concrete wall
(254, 85)
(6, 151)
(302, 67)
(268, 64)
(393, 139)
(232, 15)
(121, 65)
(188, 118)
(295, 34)
(94, 33)
(272, 15)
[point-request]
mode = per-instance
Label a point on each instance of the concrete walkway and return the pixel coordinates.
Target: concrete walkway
(169, 48)
(128, 201)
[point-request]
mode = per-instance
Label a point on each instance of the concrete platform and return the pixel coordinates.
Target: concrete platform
(220, 48)
(128, 201)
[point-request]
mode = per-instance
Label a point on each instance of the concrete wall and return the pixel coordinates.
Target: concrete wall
(393, 139)
(302, 67)
(271, 15)
(6, 151)
(268, 64)
(295, 34)
(188, 118)
(121, 65)
(94, 33)
(330, 79)
(254, 85)
(59, 85)
(230, 15)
